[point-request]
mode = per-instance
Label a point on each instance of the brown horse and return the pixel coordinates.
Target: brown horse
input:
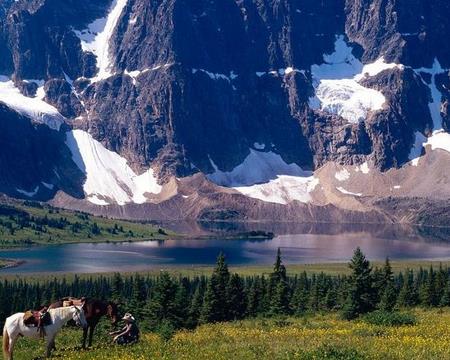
(93, 310)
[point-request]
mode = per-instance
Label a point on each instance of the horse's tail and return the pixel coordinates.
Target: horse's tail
(5, 343)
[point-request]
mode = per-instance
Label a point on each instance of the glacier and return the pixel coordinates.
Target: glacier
(109, 178)
(267, 177)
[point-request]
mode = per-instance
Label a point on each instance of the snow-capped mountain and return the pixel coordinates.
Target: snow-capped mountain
(334, 110)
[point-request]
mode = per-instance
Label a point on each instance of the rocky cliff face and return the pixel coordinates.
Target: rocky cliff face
(184, 87)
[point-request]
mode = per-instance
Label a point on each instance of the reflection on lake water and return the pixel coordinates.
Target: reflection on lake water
(299, 243)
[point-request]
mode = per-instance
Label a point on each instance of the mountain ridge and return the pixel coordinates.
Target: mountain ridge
(176, 88)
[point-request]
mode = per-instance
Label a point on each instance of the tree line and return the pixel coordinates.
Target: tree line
(165, 303)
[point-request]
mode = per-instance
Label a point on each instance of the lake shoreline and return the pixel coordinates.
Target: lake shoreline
(246, 249)
(331, 268)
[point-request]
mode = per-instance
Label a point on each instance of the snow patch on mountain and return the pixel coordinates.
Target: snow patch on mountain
(35, 108)
(364, 168)
(347, 99)
(416, 150)
(377, 67)
(266, 176)
(337, 87)
(217, 76)
(109, 178)
(436, 96)
(346, 192)
(342, 175)
(29, 194)
(97, 36)
(439, 138)
(48, 185)
(136, 73)
(282, 190)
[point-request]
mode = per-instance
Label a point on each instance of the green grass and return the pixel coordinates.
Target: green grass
(323, 336)
(28, 224)
(193, 271)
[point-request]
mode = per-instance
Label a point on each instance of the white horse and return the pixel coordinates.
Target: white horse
(14, 328)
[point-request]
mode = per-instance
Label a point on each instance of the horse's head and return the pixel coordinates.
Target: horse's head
(79, 317)
(113, 312)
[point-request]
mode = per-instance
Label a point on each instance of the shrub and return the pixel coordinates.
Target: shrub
(387, 318)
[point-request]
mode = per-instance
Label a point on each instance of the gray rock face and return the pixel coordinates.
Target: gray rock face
(210, 77)
(34, 155)
(408, 31)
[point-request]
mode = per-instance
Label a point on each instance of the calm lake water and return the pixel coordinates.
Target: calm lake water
(299, 244)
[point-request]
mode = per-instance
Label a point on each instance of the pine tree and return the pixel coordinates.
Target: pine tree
(427, 291)
(407, 296)
(182, 302)
(211, 308)
(445, 298)
(360, 299)
(236, 298)
(388, 297)
(300, 298)
(280, 299)
(253, 297)
(279, 270)
(215, 303)
(117, 286)
(195, 308)
(313, 301)
(138, 296)
(439, 285)
(279, 291)
(162, 311)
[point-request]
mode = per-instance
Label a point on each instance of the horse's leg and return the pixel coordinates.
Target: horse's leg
(53, 344)
(50, 345)
(91, 333)
(85, 334)
(12, 342)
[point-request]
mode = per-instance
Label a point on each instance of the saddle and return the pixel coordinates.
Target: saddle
(38, 319)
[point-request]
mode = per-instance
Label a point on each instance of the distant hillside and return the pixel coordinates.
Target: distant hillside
(31, 223)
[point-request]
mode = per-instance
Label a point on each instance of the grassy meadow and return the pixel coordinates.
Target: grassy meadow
(194, 271)
(309, 337)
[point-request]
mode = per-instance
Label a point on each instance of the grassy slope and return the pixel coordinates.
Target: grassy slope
(77, 228)
(317, 337)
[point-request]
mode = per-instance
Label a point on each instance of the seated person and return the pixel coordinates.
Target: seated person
(129, 334)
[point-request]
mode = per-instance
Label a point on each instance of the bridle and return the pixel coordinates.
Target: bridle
(77, 316)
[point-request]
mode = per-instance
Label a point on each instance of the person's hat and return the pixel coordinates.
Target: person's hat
(128, 317)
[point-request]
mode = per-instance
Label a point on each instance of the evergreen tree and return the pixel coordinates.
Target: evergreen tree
(388, 291)
(427, 291)
(445, 299)
(253, 297)
(407, 296)
(211, 308)
(279, 270)
(300, 297)
(215, 303)
(279, 292)
(280, 299)
(162, 309)
(195, 308)
(236, 298)
(138, 296)
(117, 286)
(360, 299)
